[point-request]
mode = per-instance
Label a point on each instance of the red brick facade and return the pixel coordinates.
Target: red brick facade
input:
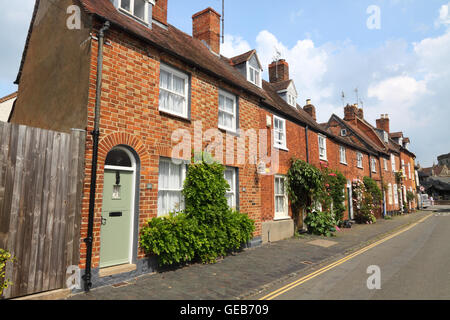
(130, 116)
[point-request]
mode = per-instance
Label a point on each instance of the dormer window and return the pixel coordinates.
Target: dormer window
(139, 9)
(254, 76)
(292, 100)
(343, 132)
(386, 137)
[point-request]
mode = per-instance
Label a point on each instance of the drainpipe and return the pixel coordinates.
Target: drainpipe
(95, 137)
(307, 144)
(382, 187)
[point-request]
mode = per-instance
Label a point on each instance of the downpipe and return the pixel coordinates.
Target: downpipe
(87, 277)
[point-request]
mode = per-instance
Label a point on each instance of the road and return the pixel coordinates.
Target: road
(414, 264)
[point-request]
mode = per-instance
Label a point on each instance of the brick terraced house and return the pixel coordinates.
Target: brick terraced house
(155, 86)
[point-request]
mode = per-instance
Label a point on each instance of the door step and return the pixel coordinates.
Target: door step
(124, 268)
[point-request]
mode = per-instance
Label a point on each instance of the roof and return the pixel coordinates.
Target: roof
(396, 135)
(192, 52)
(8, 97)
(242, 57)
(282, 85)
(348, 140)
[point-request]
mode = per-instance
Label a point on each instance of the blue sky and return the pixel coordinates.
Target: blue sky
(401, 69)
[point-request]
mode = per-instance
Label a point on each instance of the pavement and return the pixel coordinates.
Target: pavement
(253, 271)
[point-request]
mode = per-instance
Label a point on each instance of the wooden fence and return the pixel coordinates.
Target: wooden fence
(41, 176)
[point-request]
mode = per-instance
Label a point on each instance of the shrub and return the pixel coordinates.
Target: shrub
(320, 223)
(5, 256)
(207, 229)
(367, 198)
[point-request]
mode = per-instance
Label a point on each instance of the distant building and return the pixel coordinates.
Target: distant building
(6, 104)
(436, 179)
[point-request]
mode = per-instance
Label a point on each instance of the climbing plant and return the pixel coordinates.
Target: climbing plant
(304, 187)
(5, 256)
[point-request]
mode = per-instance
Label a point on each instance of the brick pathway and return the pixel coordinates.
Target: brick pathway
(248, 272)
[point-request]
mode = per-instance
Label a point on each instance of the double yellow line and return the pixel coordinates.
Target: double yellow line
(310, 276)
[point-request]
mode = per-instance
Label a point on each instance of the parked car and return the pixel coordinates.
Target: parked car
(426, 202)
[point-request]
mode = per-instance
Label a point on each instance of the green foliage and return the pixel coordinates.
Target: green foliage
(367, 198)
(304, 186)
(207, 229)
(5, 256)
(335, 183)
(410, 196)
(320, 223)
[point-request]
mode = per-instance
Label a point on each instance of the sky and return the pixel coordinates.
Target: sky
(395, 52)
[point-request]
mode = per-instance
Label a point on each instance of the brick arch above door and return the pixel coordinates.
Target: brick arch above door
(108, 142)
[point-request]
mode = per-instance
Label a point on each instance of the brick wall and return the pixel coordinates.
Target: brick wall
(130, 115)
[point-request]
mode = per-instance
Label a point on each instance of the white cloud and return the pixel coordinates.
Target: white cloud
(233, 46)
(401, 91)
(444, 16)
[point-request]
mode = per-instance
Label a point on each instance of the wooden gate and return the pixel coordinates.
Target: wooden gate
(41, 176)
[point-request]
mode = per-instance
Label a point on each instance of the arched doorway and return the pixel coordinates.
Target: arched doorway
(118, 208)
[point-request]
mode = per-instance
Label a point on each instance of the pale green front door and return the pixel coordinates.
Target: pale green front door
(115, 233)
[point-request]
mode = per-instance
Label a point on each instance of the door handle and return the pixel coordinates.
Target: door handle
(103, 221)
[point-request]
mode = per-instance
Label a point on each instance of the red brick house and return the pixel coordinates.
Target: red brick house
(147, 94)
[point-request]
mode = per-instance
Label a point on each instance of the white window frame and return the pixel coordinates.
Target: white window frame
(409, 171)
(250, 70)
(390, 194)
(183, 178)
(233, 187)
(322, 156)
(285, 213)
(280, 144)
(359, 160)
(385, 164)
(403, 168)
(374, 165)
(131, 12)
(343, 154)
(292, 101)
(234, 125)
(393, 162)
(394, 189)
(184, 76)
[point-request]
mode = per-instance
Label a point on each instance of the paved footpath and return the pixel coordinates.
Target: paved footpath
(252, 271)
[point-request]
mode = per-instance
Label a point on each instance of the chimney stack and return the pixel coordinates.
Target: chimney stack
(206, 27)
(160, 11)
(383, 123)
(278, 71)
(310, 109)
(350, 112)
(360, 113)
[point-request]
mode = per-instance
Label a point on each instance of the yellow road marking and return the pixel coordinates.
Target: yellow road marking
(314, 274)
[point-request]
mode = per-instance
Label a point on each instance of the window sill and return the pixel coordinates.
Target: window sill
(281, 148)
(323, 159)
(174, 115)
(230, 131)
(344, 163)
(282, 218)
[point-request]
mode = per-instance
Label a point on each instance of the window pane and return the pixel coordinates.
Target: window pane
(126, 5)
(178, 85)
(229, 105)
(139, 9)
(118, 157)
(221, 102)
(165, 80)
